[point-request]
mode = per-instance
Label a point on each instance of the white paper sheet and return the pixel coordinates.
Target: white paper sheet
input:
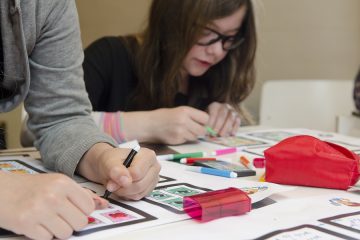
(149, 212)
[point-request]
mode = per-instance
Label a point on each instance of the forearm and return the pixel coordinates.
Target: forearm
(111, 123)
(57, 102)
(90, 164)
(125, 126)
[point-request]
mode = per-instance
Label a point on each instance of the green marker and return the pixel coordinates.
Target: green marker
(211, 131)
(178, 156)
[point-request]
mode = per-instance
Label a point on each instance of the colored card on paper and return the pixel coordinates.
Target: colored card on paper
(344, 202)
(170, 197)
(183, 191)
(93, 221)
(234, 141)
(253, 190)
(276, 136)
(160, 195)
(116, 215)
(19, 167)
(177, 203)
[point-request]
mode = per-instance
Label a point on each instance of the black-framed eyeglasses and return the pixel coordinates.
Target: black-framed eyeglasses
(209, 36)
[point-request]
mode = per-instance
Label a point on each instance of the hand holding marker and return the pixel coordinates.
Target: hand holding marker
(126, 163)
(211, 131)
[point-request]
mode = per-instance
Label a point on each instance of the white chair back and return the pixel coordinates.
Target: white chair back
(312, 104)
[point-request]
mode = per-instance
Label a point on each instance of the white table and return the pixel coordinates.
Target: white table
(301, 205)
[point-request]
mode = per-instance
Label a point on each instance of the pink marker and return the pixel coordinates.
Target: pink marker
(225, 151)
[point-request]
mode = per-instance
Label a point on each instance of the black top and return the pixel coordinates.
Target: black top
(2, 136)
(4, 92)
(110, 77)
(356, 93)
(1, 58)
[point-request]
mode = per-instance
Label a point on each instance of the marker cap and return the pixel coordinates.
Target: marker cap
(259, 162)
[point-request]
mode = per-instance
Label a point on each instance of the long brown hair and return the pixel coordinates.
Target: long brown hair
(172, 30)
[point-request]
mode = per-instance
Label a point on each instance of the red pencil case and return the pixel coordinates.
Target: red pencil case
(308, 161)
(211, 205)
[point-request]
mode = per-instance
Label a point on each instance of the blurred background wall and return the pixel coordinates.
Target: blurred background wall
(297, 39)
(307, 39)
(111, 17)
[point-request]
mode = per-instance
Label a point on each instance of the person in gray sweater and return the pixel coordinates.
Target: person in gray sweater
(41, 65)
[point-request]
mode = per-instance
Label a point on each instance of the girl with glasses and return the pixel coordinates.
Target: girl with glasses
(189, 69)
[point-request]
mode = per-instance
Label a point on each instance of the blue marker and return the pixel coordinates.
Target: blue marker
(213, 171)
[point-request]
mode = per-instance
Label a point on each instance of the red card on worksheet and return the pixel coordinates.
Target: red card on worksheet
(308, 161)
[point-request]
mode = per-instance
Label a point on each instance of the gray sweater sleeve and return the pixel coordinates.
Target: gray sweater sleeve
(57, 102)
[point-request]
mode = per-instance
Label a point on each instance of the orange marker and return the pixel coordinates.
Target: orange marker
(244, 161)
(193, 160)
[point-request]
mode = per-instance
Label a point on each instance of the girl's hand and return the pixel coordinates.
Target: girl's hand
(223, 119)
(165, 125)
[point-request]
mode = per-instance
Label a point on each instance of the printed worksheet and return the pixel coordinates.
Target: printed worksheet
(171, 196)
(258, 151)
(350, 221)
(304, 232)
(335, 215)
(344, 144)
(18, 166)
(276, 136)
(23, 165)
(116, 215)
(234, 141)
(162, 206)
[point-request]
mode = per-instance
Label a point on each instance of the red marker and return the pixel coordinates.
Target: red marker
(193, 160)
